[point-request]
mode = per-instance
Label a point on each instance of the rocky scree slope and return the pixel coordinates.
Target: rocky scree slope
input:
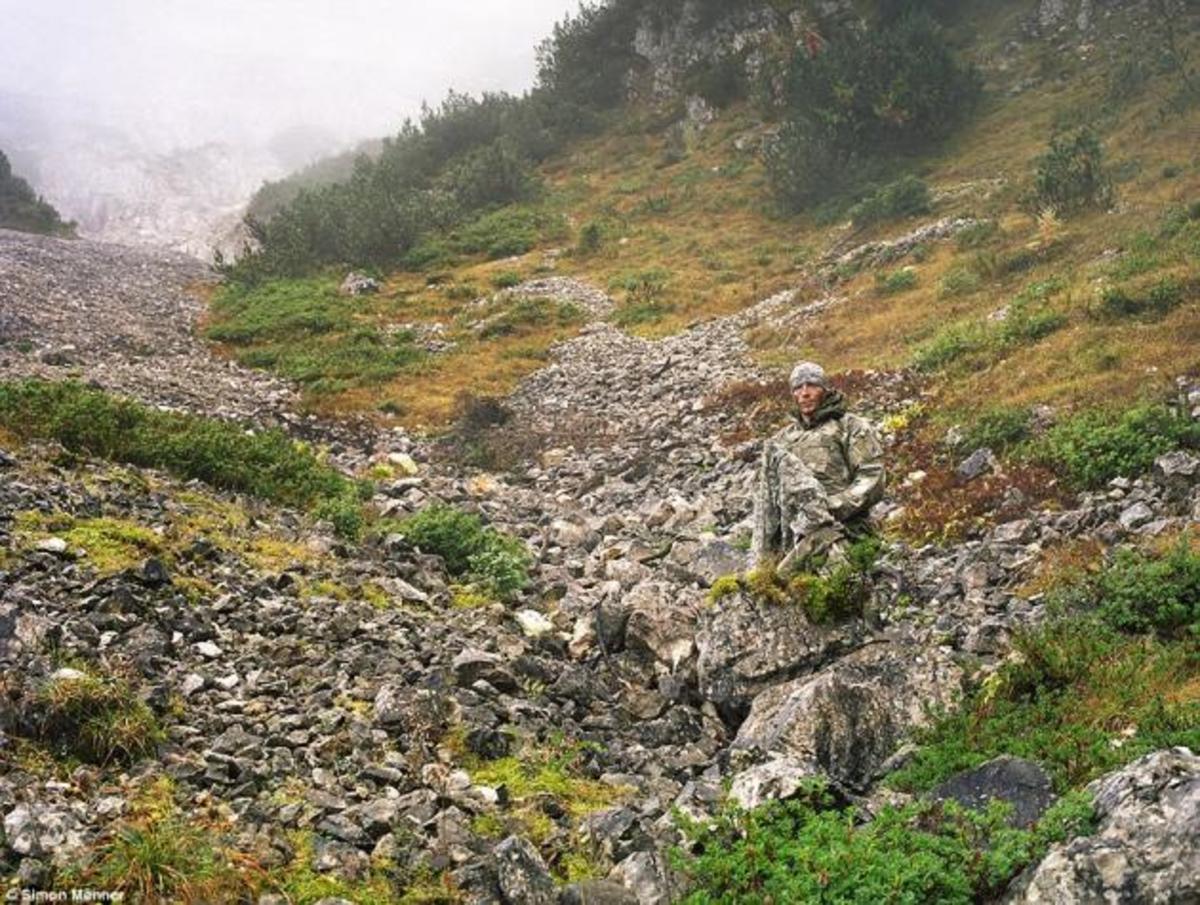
(333, 690)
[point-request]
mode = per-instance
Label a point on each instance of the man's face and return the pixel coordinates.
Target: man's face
(809, 397)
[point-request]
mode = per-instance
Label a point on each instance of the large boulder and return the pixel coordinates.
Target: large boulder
(661, 623)
(524, 879)
(1177, 473)
(850, 717)
(1020, 783)
(745, 646)
(1144, 849)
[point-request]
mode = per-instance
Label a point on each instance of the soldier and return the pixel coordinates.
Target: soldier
(817, 479)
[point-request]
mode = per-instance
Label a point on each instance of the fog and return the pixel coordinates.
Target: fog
(186, 71)
(152, 121)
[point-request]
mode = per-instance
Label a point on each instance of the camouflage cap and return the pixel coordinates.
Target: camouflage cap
(808, 372)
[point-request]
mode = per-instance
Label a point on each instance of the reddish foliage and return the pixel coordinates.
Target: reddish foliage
(945, 508)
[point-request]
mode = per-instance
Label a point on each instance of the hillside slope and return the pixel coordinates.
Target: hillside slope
(519, 660)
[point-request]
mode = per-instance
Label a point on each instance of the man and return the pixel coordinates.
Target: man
(818, 478)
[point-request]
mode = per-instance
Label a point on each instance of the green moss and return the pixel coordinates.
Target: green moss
(725, 586)
(111, 544)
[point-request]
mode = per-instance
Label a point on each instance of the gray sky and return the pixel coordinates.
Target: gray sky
(185, 71)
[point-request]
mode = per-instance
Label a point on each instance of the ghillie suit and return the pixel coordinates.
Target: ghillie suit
(817, 479)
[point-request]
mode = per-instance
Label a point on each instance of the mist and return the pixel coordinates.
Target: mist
(272, 83)
(193, 70)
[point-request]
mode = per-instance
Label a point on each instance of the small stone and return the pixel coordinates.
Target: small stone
(1135, 516)
(979, 462)
(405, 464)
(154, 573)
(54, 545)
(533, 624)
(208, 649)
(1020, 783)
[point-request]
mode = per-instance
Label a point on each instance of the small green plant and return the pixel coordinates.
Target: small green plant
(1158, 300)
(976, 235)
(591, 237)
(906, 197)
(725, 586)
(959, 281)
(154, 854)
(524, 314)
(1070, 176)
(1000, 429)
(949, 345)
(895, 281)
(506, 279)
(1027, 319)
(496, 561)
(826, 592)
(1092, 447)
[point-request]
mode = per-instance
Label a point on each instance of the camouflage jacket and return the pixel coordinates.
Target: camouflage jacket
(813, 474)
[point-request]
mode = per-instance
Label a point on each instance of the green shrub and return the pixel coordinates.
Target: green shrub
(21, 208)
(999, 429)
(896, 87)
(268, 464)
(949, 345)
(895, 281)
(304, 331)
(522, 314)
(1158, 300)
(906, 197)
(1027, 320)
(506, 279)
(429, 254)
(800, 851)
(1095, 446)
(638, 313)
(976, 235)
(591, 237)
(1070, 176)
(1077, 697)
(470, 549)
(959, 281)
(1025, 324)
(1138, 592)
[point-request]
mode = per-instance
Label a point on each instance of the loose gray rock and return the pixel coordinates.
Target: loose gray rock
(978, 463)
(597, 892)
(746, 646)
(1020, 783)
(1177, 473)
(524, 879)
(776, 780)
